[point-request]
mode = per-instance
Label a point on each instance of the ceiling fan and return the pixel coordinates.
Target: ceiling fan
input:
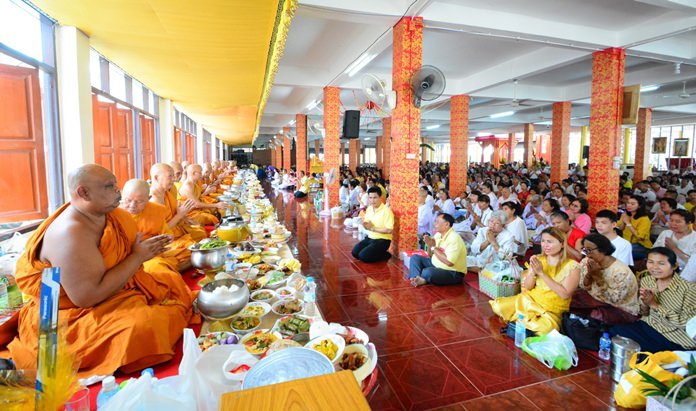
(515, 102)
(683, 94)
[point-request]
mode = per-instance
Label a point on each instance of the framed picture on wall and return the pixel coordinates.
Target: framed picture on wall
(680, 147)
(659, 145)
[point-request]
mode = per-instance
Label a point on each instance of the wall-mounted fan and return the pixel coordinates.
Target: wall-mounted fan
(375, 90)
(427, 84)
(515, 102)
(316, 127)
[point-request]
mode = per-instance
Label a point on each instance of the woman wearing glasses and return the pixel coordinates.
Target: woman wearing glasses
(547, 287)
(608, 288)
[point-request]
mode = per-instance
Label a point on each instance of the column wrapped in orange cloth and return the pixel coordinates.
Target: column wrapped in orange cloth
(135, 328)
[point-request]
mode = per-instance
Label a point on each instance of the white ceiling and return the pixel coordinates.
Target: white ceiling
(482, 46)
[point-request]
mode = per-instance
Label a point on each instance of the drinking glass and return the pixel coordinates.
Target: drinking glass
(79, 401)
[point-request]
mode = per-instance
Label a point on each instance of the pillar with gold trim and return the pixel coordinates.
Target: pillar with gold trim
(528, 144)
(459, 143)
(407, 54)
(605, 128)
(353, 154)
(287, 146)
(301, 143)
(332, 142)
(643, 140)
(560, 138)
(386, 147)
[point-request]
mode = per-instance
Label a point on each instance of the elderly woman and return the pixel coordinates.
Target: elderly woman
(608, 288)
(667, 302)
(490, 242)
(547, 287)
(516, 227)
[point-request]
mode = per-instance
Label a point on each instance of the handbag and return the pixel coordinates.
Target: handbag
(585, 332)
(629, 391)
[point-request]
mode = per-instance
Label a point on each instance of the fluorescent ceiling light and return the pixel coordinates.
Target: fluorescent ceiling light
(433, 127)
(646, 89)
(503, 114)
(280, 131)
(292, 123)
(359, 64)
(367, 138)
(482, 134)
(313, 104)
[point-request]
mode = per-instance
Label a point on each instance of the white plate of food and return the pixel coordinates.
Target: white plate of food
(259, 341)
(331, 345)
(288, 307)
(265, 296)
(255, 309)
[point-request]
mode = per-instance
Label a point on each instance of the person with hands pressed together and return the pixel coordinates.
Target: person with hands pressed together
(667, 303)
(680, 238)
(635, 224)
(190, 189)
(547, 287)
(447, 262)
(491, 242)
(379, 224)
(608, 289)
(109, 304)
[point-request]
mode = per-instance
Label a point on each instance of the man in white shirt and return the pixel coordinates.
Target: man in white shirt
(643, 190)
(605, 223)
(680, 238)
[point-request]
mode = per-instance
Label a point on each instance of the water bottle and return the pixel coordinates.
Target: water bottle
(229, 263)
(108, 390)
(310, 297)
(605, 347)
(520, 331)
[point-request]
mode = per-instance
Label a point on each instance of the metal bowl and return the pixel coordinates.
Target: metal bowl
(222, 306)
(208, 259)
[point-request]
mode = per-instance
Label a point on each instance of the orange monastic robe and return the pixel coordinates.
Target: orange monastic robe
(202, 217)
(152, 222)
(182, 228)
(133, 329)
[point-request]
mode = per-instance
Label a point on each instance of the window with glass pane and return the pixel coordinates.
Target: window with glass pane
(94, 69)
(20, 28)
(138, 94)
(117, 82)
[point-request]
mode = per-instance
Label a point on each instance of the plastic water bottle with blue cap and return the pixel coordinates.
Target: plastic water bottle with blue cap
(520, 331)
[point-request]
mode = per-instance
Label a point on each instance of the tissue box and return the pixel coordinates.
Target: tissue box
(406, 256)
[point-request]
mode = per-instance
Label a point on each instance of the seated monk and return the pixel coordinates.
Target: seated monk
(179, 177)
(163, 178)
(151, 221)
(116, 315)
(191, 190)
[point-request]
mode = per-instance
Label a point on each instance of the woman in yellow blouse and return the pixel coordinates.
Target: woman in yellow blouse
(635, 224)
(547, 287)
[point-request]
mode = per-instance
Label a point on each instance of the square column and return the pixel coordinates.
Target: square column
(287, 146)
(386, 147)
(279, 154)
(643, 140)
(459, 143)
(343, 153)
(273, 155)
(560, 138)
(301, 143)
(317, 147)
(353, 154)
(528, 144)
(406, 117)
(605, 127)
(512, 142)
(378, 152)
(332, 142)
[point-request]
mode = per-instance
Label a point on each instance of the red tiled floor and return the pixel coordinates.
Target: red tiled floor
(490, 365)
(425, 379)
(439, 347)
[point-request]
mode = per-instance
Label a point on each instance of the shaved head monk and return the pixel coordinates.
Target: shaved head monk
(116, 315)
(151, 221)
(190, 189)
(163, 178)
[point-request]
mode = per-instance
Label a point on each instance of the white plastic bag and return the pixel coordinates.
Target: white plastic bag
(192, 352)
(210, 382)
(16, 243)
(235, 360)
(147, 394)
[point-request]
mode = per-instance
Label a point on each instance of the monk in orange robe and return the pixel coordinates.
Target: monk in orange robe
(179, 178)
(162, 191)
(116, 315)
(191, 190)
(151, 221)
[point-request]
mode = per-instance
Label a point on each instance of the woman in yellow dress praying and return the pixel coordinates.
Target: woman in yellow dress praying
(547, 287)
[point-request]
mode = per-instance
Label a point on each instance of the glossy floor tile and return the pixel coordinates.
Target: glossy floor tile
(439, 347)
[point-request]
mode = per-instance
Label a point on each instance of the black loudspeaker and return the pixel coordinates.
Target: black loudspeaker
(586, 152)
(351, 124)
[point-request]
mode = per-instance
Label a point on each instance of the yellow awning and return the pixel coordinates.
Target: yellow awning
(215, 59)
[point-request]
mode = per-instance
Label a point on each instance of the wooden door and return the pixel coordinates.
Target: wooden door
(113, 139)
(23, 184)
(190, 148)
(177, 145)
(147, 144)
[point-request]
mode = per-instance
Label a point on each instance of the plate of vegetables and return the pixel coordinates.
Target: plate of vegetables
(258, 342)
(205, 341)
(293, 324)
(255, 309)
(275, 279)
(263, 295)
(242, 324)
(209, 244)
